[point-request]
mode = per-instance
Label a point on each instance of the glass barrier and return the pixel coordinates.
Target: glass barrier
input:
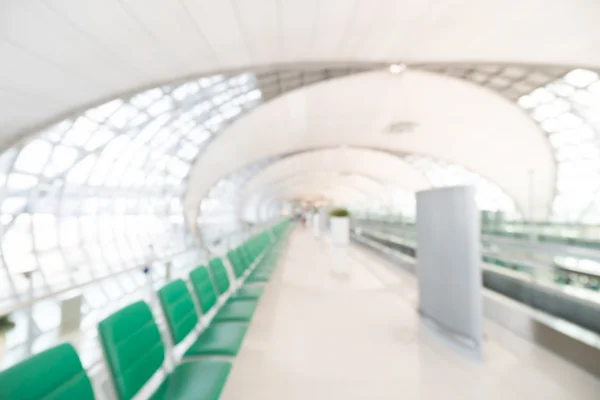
(557, 278)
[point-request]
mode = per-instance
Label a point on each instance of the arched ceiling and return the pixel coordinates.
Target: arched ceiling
(344, 161)
(330, 173)
(448, 119)
(60, 56)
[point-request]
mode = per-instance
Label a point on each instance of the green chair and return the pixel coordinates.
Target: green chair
(219, 275)
(134, 351)
(218, 339)
(241, 310)
(54, 374)
(246, 292)
(236, 263)
(243, 255)
(221, 279)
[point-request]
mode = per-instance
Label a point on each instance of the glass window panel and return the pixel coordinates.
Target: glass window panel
(115, 175)
(18, 237)
(112, 289)
(217, 88)
(594, 88)
(54, 267)
(87, 226)
(7, 159)
(13, 205)
(150, 129)
(111, 255)
(173, 180)
(139, 278)
(562, 89)
(69, 232)
(210, 80)
(581, 77)
(105, 227)
(160, 107)
(100, 171)
(541, 96)
(142, 100)
(99, 138)
(19, 262)
(585, 98)
(230, 111)
(100, 113)
(116, 147)
(96, 256)
(33, 157)
(62, 158)
(45, 231)
(70, 205)
(188, 151)
(160, 138)
(170, 140)
(80, 171)
(140, 156)
(254, 95)
(95, 296)
(123, 115)
(80, 132)
(185, 90)
(75, 258)
(214, 123)
(138, 120)
(46, 315)
(121, 205)
(127, 283)
(18, 182)
(569, 121)
(89, 206)
(55, 133)
(6, 291)
(201, 109)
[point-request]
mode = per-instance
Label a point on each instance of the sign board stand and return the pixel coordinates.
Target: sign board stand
(449, 264)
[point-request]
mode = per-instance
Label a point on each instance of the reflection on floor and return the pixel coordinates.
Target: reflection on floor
(337, 324)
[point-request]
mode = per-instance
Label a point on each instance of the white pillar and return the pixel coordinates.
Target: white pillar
(30, 322)
(316, 226)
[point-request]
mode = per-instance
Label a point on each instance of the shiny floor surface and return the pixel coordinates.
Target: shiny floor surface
(341, 324)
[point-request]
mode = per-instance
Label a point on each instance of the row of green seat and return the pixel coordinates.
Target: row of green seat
(133, 346)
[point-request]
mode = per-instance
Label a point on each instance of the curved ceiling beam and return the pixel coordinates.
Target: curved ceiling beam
(453, 120)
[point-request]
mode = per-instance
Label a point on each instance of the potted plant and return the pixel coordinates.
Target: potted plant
(6, 324)
(340, 226)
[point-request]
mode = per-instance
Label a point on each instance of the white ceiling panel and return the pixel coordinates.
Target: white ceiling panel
(331, 26)
(217, 23)
(59, 46)
(175, 30)
(94, 50)
(111, 27)
(260, 25)
(298, 20)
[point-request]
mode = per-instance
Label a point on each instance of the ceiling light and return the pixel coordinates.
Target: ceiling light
(397, 68)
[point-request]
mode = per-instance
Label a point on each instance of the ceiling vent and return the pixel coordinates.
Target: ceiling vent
(400, 127)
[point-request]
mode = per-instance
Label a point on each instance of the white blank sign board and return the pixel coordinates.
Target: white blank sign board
(449, 263)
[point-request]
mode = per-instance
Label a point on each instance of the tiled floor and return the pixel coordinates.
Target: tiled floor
(337, 324)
